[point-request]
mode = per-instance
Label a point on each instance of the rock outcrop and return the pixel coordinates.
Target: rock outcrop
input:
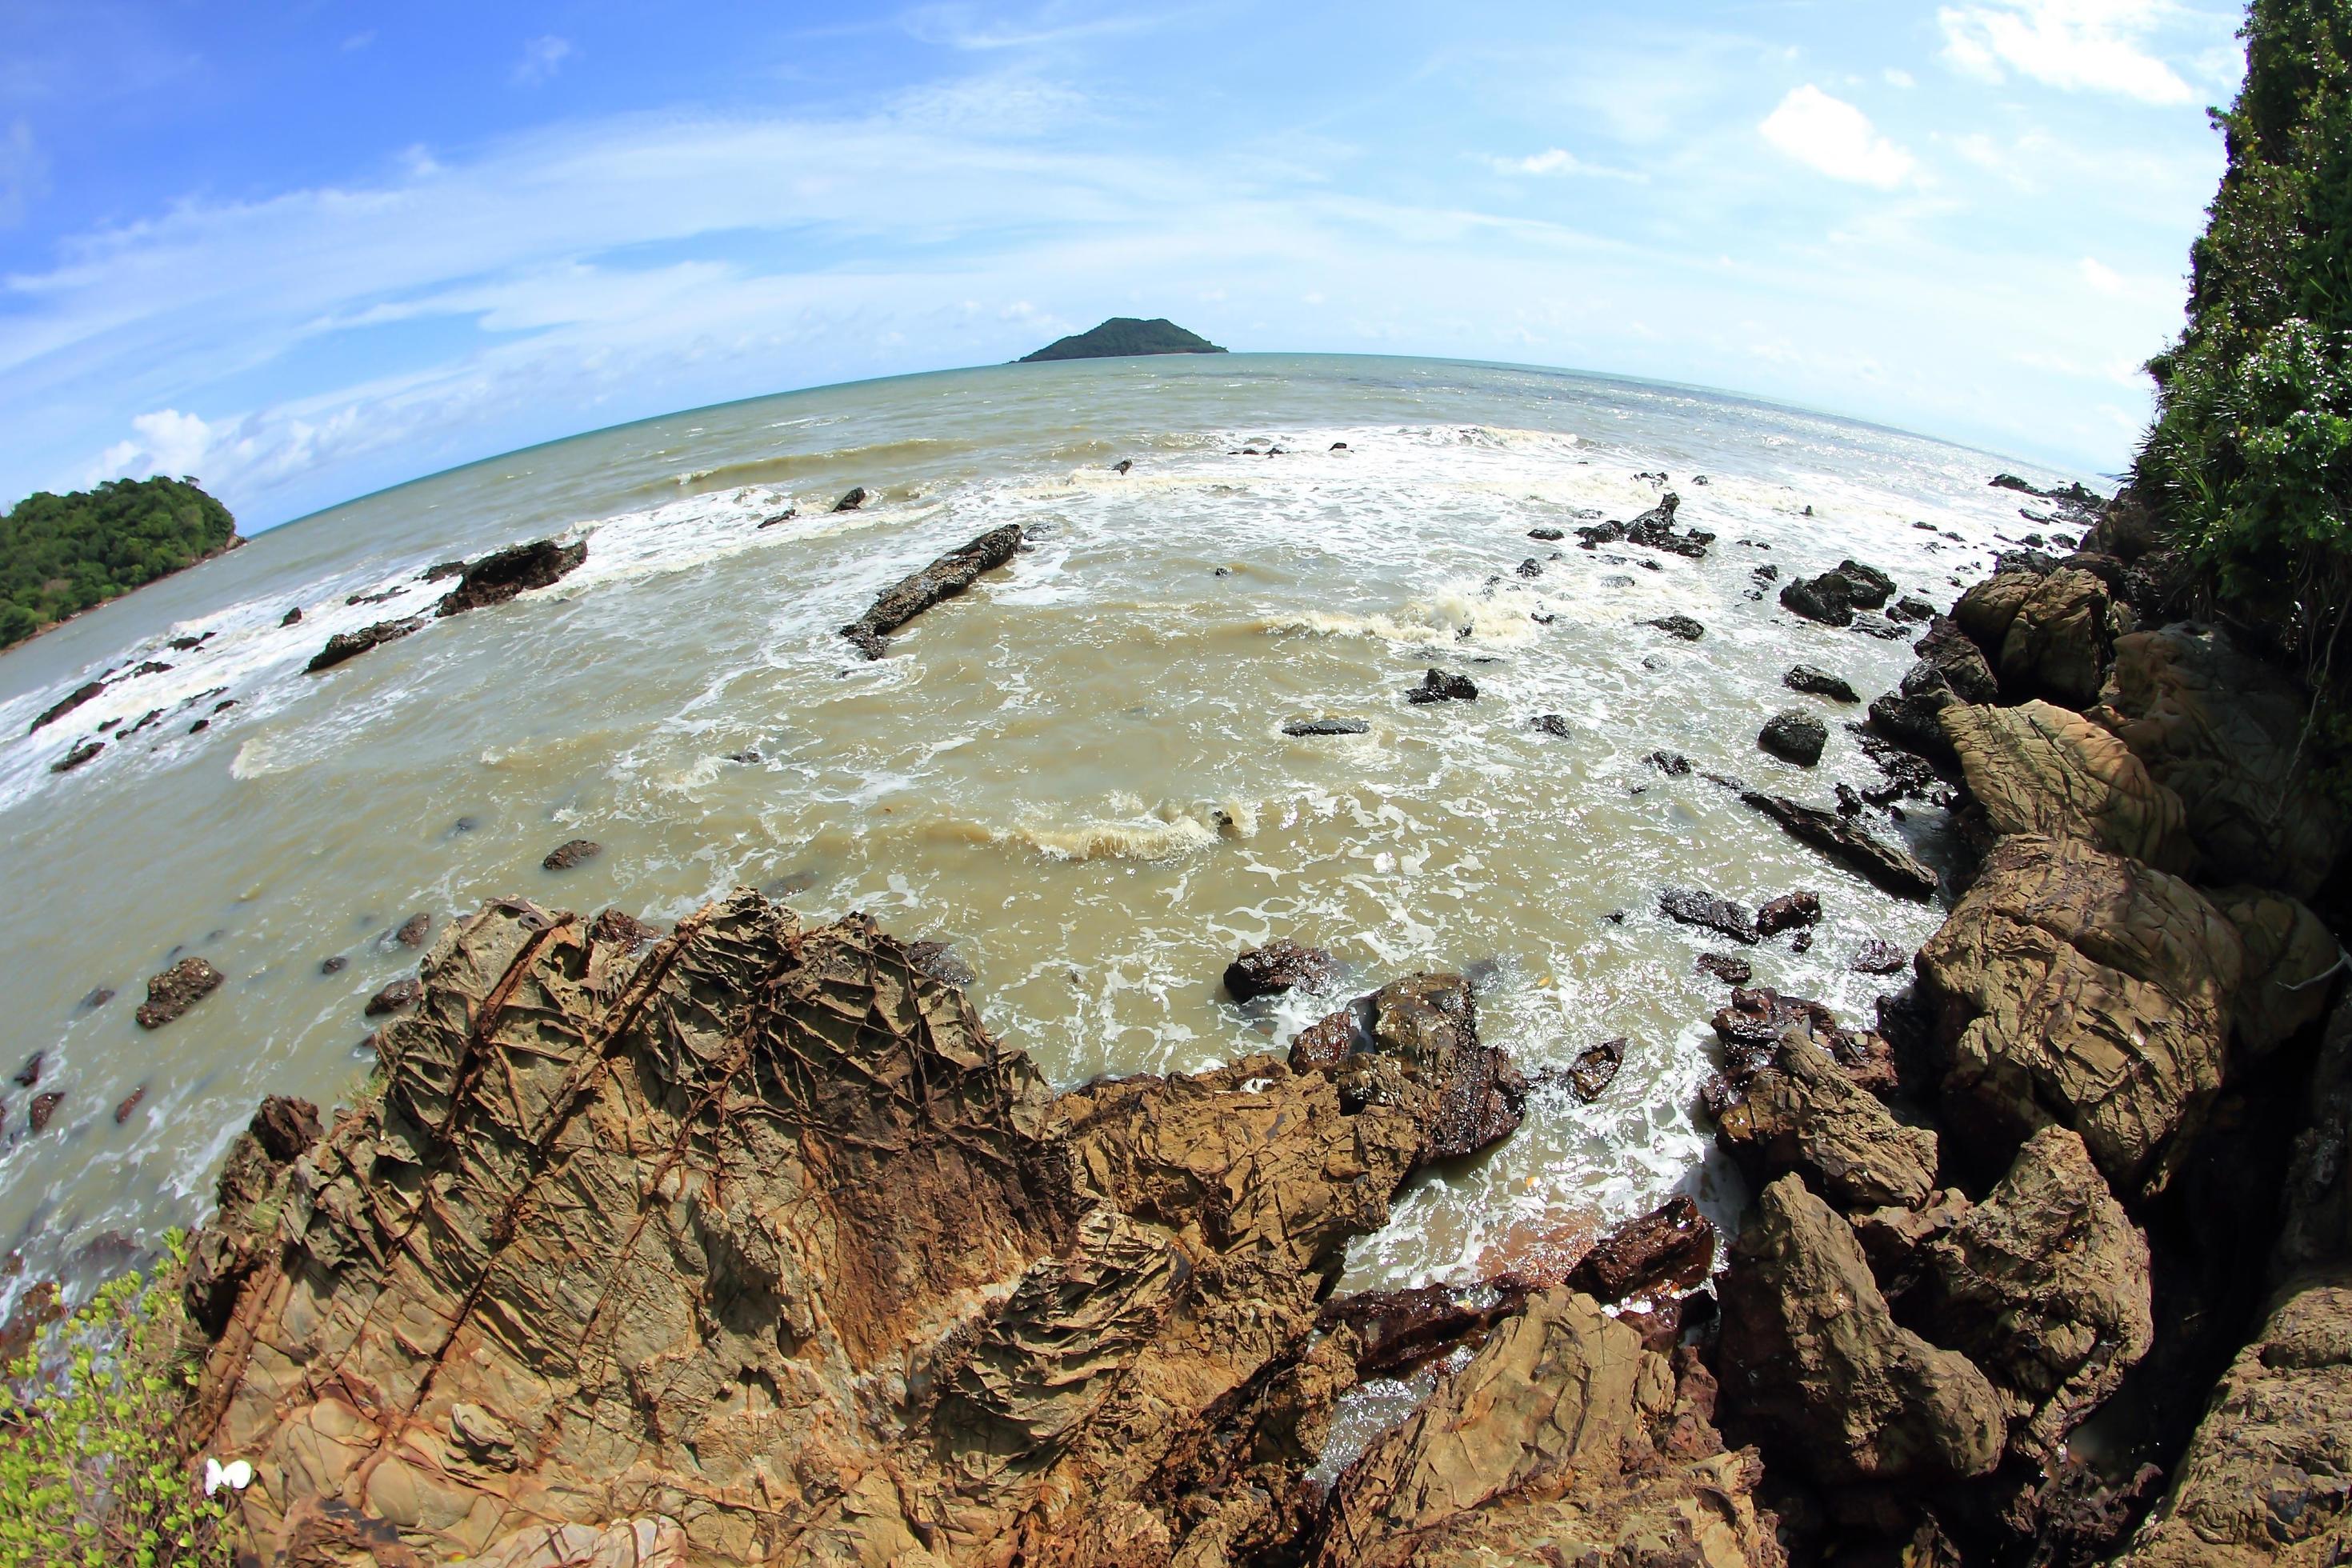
(943, 579)
(503, 574)
(2036, 768)
(2291, 960)
(1801, 1113)
(1894, 870)
(345, 646)
(1280, 965)
(176, 990)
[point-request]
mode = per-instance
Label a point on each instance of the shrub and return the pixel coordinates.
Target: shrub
(61, 554)
(92, 1469)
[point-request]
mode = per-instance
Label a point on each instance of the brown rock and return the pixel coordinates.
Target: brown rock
(1898, 871)
(945, 578)
(405, 991)
(1323, 1043)
(618, 928)
(2291, 959)
(1426, 1056)
(503, 574)
(1721, 916)
(1279, 966)
(285, 1127)
(2057, 644)
(1595, 1068)
(129, 1103)
(44, 1107)
(1669, 1250)
(175, 991)
(30, 1073)
(571, 852)
(413, 930)
(1877, 956)
(1801, 1114)
(1788, 913)
(1813, 1358)
(2040, 768)
(1726, 968)
(2080, 988)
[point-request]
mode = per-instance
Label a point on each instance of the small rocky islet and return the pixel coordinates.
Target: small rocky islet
(749, 1242)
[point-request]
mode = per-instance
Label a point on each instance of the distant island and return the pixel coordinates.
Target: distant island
(59, 555)
(1123, 335)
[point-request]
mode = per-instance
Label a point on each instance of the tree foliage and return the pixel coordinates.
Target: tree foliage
(61, 554)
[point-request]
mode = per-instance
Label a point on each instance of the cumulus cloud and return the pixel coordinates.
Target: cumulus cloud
(2099, 45)
(541, 59)
(1836, 138)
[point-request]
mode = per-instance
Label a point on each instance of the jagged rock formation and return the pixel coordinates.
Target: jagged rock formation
(943, 579)
(2036, 768)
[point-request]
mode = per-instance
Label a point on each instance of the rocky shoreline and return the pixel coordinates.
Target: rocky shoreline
(748, 1243)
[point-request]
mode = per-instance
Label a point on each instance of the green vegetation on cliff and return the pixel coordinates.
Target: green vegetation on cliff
(2248, 467)
(1126, 335)
(61, 554)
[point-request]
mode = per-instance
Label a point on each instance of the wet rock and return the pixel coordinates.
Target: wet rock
(2044, 1286)
(944, 578)
(571, 852)
(99, 997)
(1426, 1056)
(2078, 987)
(1788, 913)
(1693, 908)
(1815, 682)
(1654, 529)
(1673, 764)
(334, 963)
(774, 518)
(1879, 957)
(1398, 1332)
(503, 574)
(1098, 1309)
(292, 617)
(81, 752)
(2289, 957)
(1681, 627)
(1280, 966)
(1440, 686)
(1548, 535)
(405, 991)
(1126, 464)
(1552, 724)
(618, 928)
(1312, 727)
(1723, 967)
(1531, 567)
(2263, 1480)
(1666, 1251)
(45, 1106)
(1768, 573)
(127, 1104)
(2225, 733)
(441, 571)
(1328, 1041)
(1800, 1113)
(1894, 870)
(1560, 1431)
(175, 991)
(1595, 1068)
(1594, 535)
(345, 646)
(414, 930)
(30, 1073)
(2036, 768)
(66, 704)
(853, 498)
(285, 1126)
(1828, 599)
(1794, 737)
(1813, 1358)
(1911, 609)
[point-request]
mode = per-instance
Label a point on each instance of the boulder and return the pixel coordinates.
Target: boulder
(345, 646)
(1801, 1114)
(1815, 682)
(1898, 871)
(2044, 1286)
(503, 574)
(2058, 642)
(1950, 651)
(2291, 960)
(2225, 733)
(1828, 599)
(1878, 956)
(176, 990)
(1790, 911)
(1912, 714)
(1813, 1359)
(759, 1237)
(1669, 1250)
(1443, 686)
(2263, 1482)
(944, 578)
(2080, 988)
(1794, 737)
(1986, 611)
(1595, 1068)
(1279, 966)
(1866, 586)
(2036, 768)
(1721, 916)
(1563, 1441)
(1426, 1056)
(1681, 627)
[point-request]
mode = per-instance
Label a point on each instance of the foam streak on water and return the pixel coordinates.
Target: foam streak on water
(1075, 772)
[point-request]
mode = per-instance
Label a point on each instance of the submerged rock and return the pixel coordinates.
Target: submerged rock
(82, 751)
(1898, 871)
(503, 574)
(1307, 728)
(66, 704)
(853, 498)
(1554, 725)
(1693, 908)
(571, 852)
(1440, 686)
(345, 646)
(1595, 1068)
(1279, 966)
(176, 990)
(944, 578)
(1723, 967)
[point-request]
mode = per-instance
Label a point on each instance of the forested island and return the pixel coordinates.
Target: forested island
(1123, 335)
(59, 555)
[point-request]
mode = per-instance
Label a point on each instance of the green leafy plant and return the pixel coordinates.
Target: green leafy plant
(92, 1467)
(61, 554)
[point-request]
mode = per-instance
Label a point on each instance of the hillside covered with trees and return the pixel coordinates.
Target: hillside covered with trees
(61, 554)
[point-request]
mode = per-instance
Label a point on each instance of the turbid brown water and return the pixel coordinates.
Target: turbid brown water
(1075, 772)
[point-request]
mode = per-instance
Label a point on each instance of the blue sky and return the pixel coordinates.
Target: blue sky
(305, 251)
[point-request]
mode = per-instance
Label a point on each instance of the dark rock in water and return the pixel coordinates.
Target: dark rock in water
(464, 825)
(1723, 967)
(571, 853)
(1331, 1039)
(2030, 563)
(335, 964)
(500, 576)
(413, 930)
(1439, 685)
(938, 961)
(1794, 737)
(285, 1127)
(1788, 913)
(1673, 764)
(1849, 803)
(1595, 1068)
(1654, 529)
(1868, 587)
(853, 498)
(175, 991)
(1911, 609)
(1339, 446)
(1125, 464)
(1896, 870)
(1801, 942)
(618, 928)
(1307, 727)
(1815, 682)
(1828, 599)
(402, 993)
(1426, 1052)
(127, 1104)
(30, 1073)
(385, 597)
(1279, 966)
(345, 646)
(1681, 627)
(944, 578)
(1882, 628)
(100, 997)
(1532, 567)
(1693, 908)
(1671, 1248)
(67, 703)
(199, 726)
(1548, 535)
(1881, 957)
(749, 756)
(1592, 536)
(44, 1107)
(292, 617)
(1552, 724)
(81, 752)
(441, 571)
(1399, 1331)
(787, 515)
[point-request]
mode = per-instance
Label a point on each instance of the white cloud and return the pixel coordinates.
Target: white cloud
(1902, 78)
(1836, 138)
(1560, 161)
(2102, 276)
(2099, 45)
(359, 41)
(541, 59)
(23, 173)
